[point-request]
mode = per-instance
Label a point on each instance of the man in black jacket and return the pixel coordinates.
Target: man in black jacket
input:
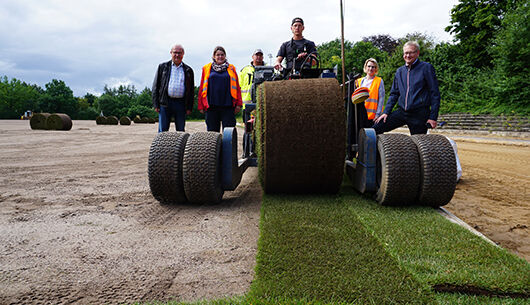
(173, 91)
(296, 50)
(415, 91)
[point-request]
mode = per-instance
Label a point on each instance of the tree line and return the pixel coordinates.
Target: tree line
(485, 70)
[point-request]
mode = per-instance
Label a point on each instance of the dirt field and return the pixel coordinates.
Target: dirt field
(78, 223)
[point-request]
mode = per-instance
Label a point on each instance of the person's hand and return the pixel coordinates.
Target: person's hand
(382, 117)
(188, 112)
(278, 66)
(157, 109)
(237, 109)
(302, 55)
(433, 123)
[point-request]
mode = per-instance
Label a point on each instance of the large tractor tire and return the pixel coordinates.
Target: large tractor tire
(201, 168)
(302, 136)
(437, 169)
(398, 175)
(165, 167)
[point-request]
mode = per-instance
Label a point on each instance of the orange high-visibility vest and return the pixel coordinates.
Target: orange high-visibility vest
(235, 90)
(371, 102)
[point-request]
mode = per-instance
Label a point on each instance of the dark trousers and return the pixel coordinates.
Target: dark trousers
(415, 119)
(215, 115)
(176, 109)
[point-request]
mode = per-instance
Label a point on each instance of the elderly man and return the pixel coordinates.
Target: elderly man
(296, 50)
(415, 90)
(173, 91)
(246, 76)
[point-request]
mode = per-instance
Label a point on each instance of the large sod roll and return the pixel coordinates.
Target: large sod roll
(38, 120)
(301, 136)
(59, 121)
(112, 120)
(101, 120)
(125, 120)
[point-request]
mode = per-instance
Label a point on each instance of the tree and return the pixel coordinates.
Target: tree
(383, 42)
(512, 58)
(59, 98)
(475, 24)
(16, 97)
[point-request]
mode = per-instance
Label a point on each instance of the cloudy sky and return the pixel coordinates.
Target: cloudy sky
(90, 43)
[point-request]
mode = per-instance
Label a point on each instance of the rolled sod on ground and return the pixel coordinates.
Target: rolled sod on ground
(59, 121)
(125, 120)
(137, 119)
(101, 120)
(112, 120)
(38, 120)
(301, 136)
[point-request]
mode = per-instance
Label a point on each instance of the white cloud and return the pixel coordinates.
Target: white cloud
(90, 43)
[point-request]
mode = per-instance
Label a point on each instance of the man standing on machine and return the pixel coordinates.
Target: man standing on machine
(297, 50)
(415, 90)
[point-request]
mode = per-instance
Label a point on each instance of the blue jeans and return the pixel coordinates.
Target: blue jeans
(216, 115)
(175, 108)
(415, 119)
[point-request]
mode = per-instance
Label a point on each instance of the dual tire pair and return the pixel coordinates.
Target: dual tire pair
(185, 168)
(417, 169)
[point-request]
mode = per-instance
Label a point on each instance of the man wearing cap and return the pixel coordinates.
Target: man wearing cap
(296, 50)
(246, 76)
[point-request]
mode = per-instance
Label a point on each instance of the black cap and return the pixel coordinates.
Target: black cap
(297, 19)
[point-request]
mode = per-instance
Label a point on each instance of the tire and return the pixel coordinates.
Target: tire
(165, 167)
(437, 169)
(398, 177)
(201, 168)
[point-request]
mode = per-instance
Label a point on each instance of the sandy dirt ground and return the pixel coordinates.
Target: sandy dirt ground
(78, 223)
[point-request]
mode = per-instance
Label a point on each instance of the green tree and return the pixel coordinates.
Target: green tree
(512, 59)
(16, 97)
(383, 42)
(475, 24)
(59, 98)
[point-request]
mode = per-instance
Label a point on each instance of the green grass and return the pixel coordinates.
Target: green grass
(439, 252)
(346, 249)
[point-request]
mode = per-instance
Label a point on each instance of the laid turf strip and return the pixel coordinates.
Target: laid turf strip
(442, 254)
(312, 248)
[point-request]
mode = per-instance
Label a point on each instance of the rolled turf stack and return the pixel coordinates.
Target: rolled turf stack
(59, 121)
(112, 120)
(125, 120)
(38, 120)
(101, 120)
(301, 130)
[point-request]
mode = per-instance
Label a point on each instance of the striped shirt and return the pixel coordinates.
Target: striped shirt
(176, 87)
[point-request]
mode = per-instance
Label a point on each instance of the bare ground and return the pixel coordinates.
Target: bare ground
(78, 223)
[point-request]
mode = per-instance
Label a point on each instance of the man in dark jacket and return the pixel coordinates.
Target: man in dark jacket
(173, 91)
(415, 90)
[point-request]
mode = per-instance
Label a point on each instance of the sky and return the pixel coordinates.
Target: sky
(93, 43)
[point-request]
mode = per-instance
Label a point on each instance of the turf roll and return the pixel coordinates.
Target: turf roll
(302, 126)
(59, 121)
(125, 120)
(38, 120)
(101, 120)
(112, 120)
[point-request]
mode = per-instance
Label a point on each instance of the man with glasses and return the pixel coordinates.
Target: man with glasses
(415, 90)
(173, 91)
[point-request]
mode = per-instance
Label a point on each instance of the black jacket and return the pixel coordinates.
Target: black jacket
(160, 84)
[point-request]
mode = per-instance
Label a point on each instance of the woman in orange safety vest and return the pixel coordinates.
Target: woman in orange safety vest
(219, 92)
(374, 103)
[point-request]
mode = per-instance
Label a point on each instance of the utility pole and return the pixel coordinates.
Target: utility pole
(342, 50)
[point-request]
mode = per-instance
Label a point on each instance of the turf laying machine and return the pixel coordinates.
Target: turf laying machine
(302, 138)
